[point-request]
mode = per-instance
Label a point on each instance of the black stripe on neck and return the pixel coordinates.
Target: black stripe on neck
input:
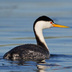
(39, 41)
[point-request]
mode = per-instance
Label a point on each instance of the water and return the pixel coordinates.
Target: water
(16, 22)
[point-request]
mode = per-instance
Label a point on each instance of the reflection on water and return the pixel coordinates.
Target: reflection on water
(16, 28)
(53, 64)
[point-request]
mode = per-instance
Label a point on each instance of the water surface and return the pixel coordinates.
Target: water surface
(16, 28)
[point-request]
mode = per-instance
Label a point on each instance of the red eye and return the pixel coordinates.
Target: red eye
(51, 22)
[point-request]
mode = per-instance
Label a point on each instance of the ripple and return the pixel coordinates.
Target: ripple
(45, 37)
(61, 55)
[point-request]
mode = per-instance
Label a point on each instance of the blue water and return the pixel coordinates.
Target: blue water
(16, 28)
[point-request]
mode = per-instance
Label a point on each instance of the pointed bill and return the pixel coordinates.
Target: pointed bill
(61, 26)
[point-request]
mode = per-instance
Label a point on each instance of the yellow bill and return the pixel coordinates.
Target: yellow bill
(61, 26)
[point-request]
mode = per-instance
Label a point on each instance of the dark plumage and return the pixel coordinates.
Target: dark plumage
(27, 52)
(30, 51)
(43, 18)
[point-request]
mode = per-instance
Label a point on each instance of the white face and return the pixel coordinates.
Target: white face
(44, 24)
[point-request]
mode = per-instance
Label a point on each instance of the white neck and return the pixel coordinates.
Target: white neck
(38, 29)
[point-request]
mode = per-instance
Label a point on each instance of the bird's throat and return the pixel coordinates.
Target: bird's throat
(40, 38)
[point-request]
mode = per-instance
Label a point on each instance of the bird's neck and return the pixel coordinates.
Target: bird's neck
(39, 37)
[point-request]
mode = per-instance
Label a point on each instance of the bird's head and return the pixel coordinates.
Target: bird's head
(46, 22)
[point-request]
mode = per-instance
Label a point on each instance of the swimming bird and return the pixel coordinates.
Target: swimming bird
(39, 51)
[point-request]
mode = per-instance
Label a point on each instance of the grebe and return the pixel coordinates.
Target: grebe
(32, 51)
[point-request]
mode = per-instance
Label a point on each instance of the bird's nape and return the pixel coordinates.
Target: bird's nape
(37, 51)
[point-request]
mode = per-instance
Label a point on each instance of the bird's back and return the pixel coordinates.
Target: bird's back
(27, 52)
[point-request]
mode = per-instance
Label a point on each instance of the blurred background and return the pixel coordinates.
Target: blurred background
(16, 26)
(25, 8)
(17, 18)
